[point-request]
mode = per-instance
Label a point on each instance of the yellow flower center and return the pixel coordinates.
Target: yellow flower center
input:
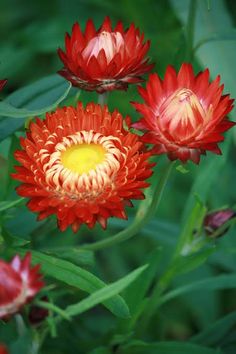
(82, 158)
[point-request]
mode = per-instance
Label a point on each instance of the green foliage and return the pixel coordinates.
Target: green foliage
(183, 299)
(105, 293)
(166, 348)
(77, 277)
(32, 100)
(215, 333)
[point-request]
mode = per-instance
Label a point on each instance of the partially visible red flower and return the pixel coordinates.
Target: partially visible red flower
(19, 283)
(104, 59)
(2, 84)
(37, 314)
(184, 115)
(3, 349)
(82, 165)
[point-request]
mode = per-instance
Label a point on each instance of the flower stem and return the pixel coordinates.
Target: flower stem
(20, 325)
(103, 98)
(190, 30)
(76, 98)
(155, 299)
(144, 214)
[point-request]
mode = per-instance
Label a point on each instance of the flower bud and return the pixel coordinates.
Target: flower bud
(37, 314)
(215, 220)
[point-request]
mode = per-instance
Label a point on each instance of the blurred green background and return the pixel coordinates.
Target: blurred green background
(30, 33)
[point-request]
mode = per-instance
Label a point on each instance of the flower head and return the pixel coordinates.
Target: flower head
(215, 220)
(3, 349)
(2, 84)
(19, 283)
(82, 165)
(184, 115)
(104, 59)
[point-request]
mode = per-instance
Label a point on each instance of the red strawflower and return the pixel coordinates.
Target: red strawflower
(184, 115)
(104, 59)
(19, 283)
(82, 165)
(3, 349)
(2, 84)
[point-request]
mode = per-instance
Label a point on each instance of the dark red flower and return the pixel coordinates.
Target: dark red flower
(19, 283)
(3, 349)
(37, 314)
(2, 84)
(104, 59)
(82, 165)
(184, 115)
(215, 220)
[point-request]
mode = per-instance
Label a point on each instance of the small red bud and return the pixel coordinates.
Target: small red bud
(37, 314)
(213, 221)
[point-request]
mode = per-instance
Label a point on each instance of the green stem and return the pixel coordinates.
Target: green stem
(20, 325)
(53, 308)
(7, 205)
(76, 98)
(190, 30)
(103, 98)
(143, 215)
(156, 298)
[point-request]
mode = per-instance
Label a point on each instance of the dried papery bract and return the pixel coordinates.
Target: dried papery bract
(184, 115)
(82, 165)
(104, 59)
(19, 283)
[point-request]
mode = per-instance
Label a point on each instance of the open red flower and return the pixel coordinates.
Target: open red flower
(2, 84)
(184, 115)
(3, 349)
(19, 283)
(104, 59)
(82, 165)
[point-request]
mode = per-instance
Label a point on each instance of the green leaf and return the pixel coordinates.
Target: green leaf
(208, 24)
(191, 228)
(37, 98)
(104, 294)
(182, 169)
(227, 281)
(74, 254)
(72, 275)
(101, 350)
(22, 344)
(184, 264)
(216, 333)
(10, 204)
(57, 87)
(13, 241)
(136, 292)
(216, 37)
(139, 347)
